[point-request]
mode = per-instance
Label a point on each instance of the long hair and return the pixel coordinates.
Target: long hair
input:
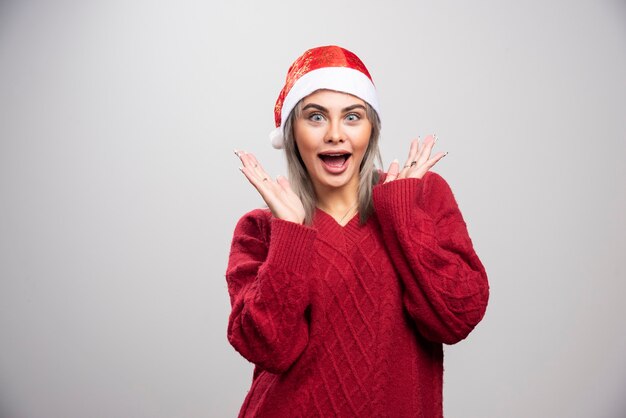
(301, 181)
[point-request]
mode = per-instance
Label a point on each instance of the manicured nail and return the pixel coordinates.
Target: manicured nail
(435, 137)
(236, 151)
(445, 154)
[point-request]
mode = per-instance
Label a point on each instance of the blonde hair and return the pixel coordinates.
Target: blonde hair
(301, 181)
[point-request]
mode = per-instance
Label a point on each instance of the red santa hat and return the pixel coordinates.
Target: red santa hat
(324, 67)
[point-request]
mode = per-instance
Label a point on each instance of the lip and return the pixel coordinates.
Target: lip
(335, 168)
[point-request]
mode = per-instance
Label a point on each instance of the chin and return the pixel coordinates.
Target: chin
(336, 181)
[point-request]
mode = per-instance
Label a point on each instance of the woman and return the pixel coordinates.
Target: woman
(345, 288)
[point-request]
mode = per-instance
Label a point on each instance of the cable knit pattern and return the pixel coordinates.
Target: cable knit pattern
(349, 321)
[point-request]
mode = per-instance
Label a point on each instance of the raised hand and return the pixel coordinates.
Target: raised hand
(278, 195)
(418, 162)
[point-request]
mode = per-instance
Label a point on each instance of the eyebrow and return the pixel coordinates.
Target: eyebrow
(323, 109)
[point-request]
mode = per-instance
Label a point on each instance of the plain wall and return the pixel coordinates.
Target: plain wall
(119, 191)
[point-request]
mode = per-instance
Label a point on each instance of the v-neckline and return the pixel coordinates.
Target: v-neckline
(333, 232)
(326, 218)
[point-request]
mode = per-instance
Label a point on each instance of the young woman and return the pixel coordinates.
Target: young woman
(344, 290)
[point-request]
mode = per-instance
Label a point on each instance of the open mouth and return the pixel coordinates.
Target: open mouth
(336, 161)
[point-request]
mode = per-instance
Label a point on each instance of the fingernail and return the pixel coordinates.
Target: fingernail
(236, 151)
(395, 161)
(445, 154)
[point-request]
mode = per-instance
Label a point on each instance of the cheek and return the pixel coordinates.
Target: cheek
(305, 150)
(304, 146)
(363, 140)
(306, 141)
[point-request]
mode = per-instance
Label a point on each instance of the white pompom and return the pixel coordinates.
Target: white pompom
(276, 136)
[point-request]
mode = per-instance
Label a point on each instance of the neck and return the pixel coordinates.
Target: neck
(340, 203)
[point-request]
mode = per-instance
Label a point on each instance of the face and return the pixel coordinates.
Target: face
(332, 134)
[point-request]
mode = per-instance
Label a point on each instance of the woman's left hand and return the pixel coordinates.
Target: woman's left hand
(418, 162)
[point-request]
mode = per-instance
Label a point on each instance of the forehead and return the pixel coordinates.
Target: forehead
(332, 98)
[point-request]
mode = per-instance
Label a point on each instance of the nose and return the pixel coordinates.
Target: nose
(335, 133)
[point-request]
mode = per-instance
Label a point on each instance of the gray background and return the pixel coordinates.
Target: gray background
(119, 191)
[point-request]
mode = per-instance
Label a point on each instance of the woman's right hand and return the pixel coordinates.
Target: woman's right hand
(278, 195)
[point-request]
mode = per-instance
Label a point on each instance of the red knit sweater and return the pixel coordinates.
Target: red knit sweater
(349, 321)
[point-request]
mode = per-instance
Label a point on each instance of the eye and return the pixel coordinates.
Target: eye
(353, 117)
(316, 117)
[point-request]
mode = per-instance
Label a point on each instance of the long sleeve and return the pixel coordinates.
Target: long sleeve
(269, 290)
(445, 284)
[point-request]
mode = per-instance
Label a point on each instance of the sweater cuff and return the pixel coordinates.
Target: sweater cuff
(290, 245)
(398, 198)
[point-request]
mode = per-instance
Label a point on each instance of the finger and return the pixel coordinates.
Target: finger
(248, 166)
(425, 150)
(413, 150)
(257, 166)
(258, 182)
(253, 167)
(240, 154)
(243, 157)
(284, 183)
(392, 173)
(429, 164)
(246, 158)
